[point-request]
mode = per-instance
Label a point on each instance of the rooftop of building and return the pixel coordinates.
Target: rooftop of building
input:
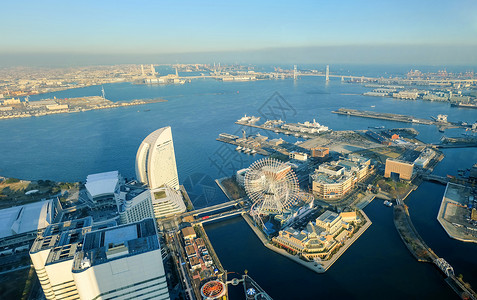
(350, 214)
(102, 183)
(164, 193)
(347, 164)
(188, 231)
(25, 218)
(297, 152)
(320, 149)
(399, 161)
(300, 235)
(153, 136)
(327, 217)
(359, 158)
(331, 167)
(102, 246)
(62, 234)
(325, 178)
(66, 239)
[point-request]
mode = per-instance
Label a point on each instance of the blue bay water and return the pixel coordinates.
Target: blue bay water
(68, 147)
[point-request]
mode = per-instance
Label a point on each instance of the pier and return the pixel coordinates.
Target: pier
(305, 135)
(424, 253)
(235, 143)
(392, 117)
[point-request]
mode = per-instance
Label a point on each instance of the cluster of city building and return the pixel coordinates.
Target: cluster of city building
(321, 237)
(15, 108)
(404, 170)
(105, 258)
(21, 81)
(454, 95)
(80, 259)
(333, 180)
(155, 194)
(417, 78)
(200, 262)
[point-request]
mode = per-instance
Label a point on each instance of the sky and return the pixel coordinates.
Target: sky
(303, 31)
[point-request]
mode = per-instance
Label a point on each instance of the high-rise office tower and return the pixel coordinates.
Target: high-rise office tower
(156, 161)
(79, 260)
(52, 255)
(122, 262)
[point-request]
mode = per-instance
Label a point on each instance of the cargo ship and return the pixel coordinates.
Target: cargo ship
(464, 105)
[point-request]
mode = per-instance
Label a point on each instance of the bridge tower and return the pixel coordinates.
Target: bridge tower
(294, 72)
(327, 75)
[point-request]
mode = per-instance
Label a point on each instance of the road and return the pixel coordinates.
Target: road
(179, 259)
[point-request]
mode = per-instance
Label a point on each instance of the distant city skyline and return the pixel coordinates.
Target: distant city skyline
(303, 32)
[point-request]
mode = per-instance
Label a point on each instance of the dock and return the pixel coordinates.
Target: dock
(305, 135)
(235, 143)
(452, 211)
(392, 117)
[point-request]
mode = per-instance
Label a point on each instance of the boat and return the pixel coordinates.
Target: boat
(373, 105)
(388, 203)
(247, 150)
(238, 148)
(464, 105)
(253, 151)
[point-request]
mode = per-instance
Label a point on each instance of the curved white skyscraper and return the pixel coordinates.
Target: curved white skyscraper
(155, 160)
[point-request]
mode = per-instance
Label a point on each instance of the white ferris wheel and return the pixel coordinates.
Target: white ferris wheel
(271, 185)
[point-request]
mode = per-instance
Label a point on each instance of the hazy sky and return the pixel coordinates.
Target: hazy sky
(126, 28)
